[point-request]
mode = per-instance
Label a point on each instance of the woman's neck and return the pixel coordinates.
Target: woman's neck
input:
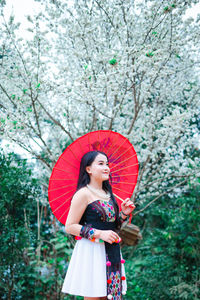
(96, 190)
(95, 184)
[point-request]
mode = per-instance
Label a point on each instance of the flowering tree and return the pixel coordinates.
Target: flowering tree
(123, 65)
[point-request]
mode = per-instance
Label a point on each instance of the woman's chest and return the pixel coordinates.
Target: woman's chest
(102, 210)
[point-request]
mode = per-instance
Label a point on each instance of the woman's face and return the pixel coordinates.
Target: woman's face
(99, 169)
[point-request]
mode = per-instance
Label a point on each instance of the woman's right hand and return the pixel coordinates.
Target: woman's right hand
(108, 236)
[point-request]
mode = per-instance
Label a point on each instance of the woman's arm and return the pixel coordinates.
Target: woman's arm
(77, 208)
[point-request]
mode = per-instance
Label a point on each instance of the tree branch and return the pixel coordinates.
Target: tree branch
(55, 121)
(139, 211)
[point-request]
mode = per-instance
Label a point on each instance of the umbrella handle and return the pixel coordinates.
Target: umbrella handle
(132, 205)
(118, 197)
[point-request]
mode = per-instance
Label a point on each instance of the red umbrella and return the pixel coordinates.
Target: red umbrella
(123, 165)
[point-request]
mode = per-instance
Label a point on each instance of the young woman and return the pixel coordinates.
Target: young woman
(96, 269)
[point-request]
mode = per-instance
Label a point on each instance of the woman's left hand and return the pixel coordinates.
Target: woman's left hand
(127, 206)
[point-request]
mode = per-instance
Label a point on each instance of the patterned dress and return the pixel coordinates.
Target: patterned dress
(101, 214)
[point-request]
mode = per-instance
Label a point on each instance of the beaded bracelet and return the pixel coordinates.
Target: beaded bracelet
(87, 232)
(122, 219)
(120, 215)
(124, 213)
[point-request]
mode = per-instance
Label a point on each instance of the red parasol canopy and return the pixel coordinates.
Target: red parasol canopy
(123, 165)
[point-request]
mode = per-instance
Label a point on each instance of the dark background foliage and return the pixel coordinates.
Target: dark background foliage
(17, 225)
(33, 262)
(166, 263)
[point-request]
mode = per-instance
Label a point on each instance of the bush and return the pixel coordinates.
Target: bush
(166, 263)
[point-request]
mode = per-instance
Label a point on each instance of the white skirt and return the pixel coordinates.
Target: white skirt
(86, 273)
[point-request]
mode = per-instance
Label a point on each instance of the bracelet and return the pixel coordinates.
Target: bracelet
(87, 232)
(124, 214)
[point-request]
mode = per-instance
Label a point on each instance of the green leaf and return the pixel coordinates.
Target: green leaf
(60, 246)
(137, 289)
(150, 54)
(113, 61)
(51, 261)
(166, 8)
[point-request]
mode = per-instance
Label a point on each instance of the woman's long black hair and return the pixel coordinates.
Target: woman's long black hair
(84, 178)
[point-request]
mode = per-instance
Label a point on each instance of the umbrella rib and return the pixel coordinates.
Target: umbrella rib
(68, 162)
(131, 183)
(121, 190)
(74, 154)
(107, 151)
(61, 196)
(99, 140)
(107, 139)
(123, 154)
(61, 187)
(62, 170)
(60, 179)
(124, 175)
(64, 214)
(118, 147)
(61, 205)
(124, 168)
(122, 162)
(80, 145)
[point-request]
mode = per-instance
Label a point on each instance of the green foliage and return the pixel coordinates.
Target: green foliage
(31, 268)
(51, 268)
(18, 225)
(166, 263)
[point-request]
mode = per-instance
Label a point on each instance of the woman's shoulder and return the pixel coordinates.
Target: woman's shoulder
(82, 191)
(81, 195)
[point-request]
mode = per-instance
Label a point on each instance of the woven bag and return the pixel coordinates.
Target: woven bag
(130, 234)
